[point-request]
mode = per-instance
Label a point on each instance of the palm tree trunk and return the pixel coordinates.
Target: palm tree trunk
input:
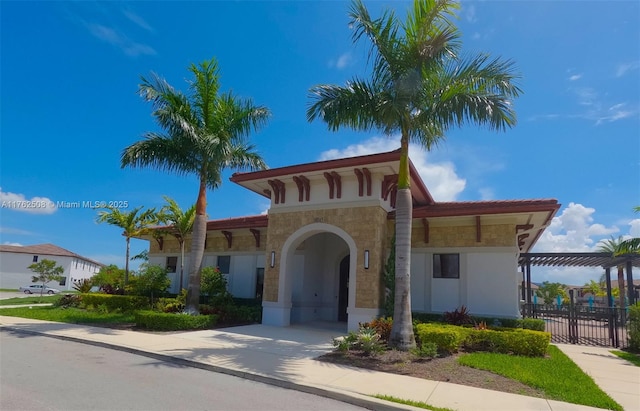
(402, 336)
(197, 250)
(181, 266)
(126, 265)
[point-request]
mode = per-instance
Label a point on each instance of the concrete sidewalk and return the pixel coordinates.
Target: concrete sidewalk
(284, 357)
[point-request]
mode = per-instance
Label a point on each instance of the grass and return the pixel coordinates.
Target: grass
(559, 377)
(418, 404)
(68, 315)
(632, 358)
(35, 299)
(8, 290)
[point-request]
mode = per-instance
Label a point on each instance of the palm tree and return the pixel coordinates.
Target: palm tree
(419, 88)
(181, 225)
(204, 133)
(613, 246)
(131, 223)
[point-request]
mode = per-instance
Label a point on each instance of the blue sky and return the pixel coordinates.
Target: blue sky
(70, 72)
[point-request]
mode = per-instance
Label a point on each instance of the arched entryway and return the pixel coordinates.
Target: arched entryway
(314, 284)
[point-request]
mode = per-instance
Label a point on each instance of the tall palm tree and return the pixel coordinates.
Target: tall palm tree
(133, 223)
(181, 223)
(204, 132)
(613, 246)
(418, 89)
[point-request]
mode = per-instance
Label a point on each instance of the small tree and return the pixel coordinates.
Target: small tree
(151, 280)
(110, 278)
(214, 285)
(47, 270)
(550, 291)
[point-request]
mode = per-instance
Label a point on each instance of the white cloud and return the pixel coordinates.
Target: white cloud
(14, 244)
(345, 60)
(440, 178)
(137, 20)
(575, 77)
(634, 230)
(470, 14)
(624, 68)
(574, 230)
(33, 205)
(119, 40)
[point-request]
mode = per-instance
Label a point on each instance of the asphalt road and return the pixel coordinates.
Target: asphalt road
(42, 373)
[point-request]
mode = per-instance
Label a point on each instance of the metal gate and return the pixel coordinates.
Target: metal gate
(579, 324)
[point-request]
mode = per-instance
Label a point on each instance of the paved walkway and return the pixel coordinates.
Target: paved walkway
(284, 357)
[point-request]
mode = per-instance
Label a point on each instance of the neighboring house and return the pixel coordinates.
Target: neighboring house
(15, 260)
(319, 253)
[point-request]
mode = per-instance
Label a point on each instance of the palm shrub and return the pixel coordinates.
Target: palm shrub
(83, 286)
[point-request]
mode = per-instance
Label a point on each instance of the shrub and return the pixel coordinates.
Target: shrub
(458, 316)
(83, 286)
(634, 327)
(169, 305)
(517, 341)
(382, 326)
(173, 322)
(366, 339)
(426, 350)
(421, 318)
(112, 303)
(535, 324)
(68, 301)
(446, 337)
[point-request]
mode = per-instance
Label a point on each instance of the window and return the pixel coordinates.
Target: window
(446, 266)
(224, 261)
(63, 280)
(35, 258)
(172, 264)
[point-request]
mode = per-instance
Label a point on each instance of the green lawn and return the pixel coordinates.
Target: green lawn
(34, 299)
(68, 315)
(631, 357)
(559, 377)
(418, 404)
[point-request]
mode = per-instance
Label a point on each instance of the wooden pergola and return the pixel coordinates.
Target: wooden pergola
(604, 260)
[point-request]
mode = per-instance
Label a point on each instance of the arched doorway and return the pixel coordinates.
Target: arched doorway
(309, 286)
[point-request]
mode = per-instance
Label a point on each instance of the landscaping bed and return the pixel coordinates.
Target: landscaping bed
(445, 368)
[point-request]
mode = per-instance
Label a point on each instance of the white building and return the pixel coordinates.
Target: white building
(15, 260)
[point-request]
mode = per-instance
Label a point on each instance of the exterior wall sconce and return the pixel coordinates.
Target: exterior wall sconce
(273, 259)
(366, 259)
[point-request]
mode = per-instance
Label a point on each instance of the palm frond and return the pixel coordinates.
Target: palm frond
(356, 105)
(176, 155)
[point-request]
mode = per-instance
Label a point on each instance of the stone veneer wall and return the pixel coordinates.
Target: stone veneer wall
(216, 242)
(366, 225)
(499, 235)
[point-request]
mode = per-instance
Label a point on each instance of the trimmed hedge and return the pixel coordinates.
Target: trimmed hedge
(156, 321)
(448, 338)
(526, 323)
(512, 341)
(114, 302)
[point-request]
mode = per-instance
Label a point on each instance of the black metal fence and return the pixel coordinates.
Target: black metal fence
(579, 324)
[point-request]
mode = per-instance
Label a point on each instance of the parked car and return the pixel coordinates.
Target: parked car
(38, 288)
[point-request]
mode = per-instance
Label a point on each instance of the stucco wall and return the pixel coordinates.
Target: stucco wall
(14, 272)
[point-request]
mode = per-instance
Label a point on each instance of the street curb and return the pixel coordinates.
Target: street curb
(348, 397)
